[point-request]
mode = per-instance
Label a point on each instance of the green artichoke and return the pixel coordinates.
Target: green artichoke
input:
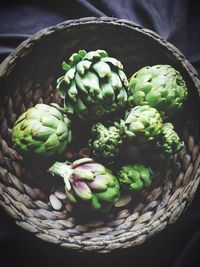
(94, 85)
(106, 141)
(159, 86)
(135, 177)
(88, 184)
(42, 130)
(169, 142)
(143, 124)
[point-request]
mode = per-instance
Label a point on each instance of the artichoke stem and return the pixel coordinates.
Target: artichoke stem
(63, 170)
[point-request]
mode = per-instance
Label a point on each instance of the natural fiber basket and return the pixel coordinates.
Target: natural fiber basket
(28, 76)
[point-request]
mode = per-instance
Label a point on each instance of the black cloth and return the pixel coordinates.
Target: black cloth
(176, 20)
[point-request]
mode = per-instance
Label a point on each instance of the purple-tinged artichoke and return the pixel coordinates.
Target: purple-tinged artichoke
(88, 183)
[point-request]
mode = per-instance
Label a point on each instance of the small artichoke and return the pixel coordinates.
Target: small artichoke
(94, 85)
(159, 86)
(169, 142)
(143, 124)
(106, 141)
(42, 130)
(88, 184)
(135, 177)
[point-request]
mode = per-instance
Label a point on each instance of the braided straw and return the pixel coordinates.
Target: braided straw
(28, 77)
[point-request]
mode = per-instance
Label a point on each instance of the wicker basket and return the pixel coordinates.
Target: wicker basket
(28, 76)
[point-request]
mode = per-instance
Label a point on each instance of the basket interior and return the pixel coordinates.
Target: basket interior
(24, 185)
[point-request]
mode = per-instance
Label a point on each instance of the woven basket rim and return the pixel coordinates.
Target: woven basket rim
(10, 61)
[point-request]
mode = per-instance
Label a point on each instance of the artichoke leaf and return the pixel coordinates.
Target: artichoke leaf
(21, 118)
(56, 111)
(109, 195)
(83, 174)
(41, 134)
(74, 59)
(123, 77)
(80, 106)
(89, 83)
(61, 128)
(61, 88)
(122, 96)
(70, 196)
(100, 183)
(137, 185)
(82, 53)
(66, 66)
(60, 79)
(107, 92)
(72, 92)
(102, 69)
(34, 113)
(82, 66)
(49, 121)
(95, 203)
(92, 56)
(70, 74)
(102, 53)
(113, 61)
(115, 81)
(82, 190)
(52, 142)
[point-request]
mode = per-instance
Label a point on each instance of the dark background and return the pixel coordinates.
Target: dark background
(178, 21)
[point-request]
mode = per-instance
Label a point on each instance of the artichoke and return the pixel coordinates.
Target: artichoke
(159, 86)
(88, 184)
(94, 85)
(169, 142)
(42, 130)
(106, 141)
(135, 177)
(143, 124)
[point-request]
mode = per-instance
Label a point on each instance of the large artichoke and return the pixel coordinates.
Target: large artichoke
(143, 124)
(106, 140)
(169, 142)
(42, 130)
(94, 84)
(135, 177)
(159, 86)
(88, 184)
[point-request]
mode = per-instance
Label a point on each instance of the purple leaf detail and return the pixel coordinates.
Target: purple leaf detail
(82, 190)
(100, 183)
(94, 167)
(83, 174)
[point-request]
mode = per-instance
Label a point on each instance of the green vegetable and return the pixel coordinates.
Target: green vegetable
(143, 124)
(106, 141)
(159, 86)
(88, 184)
(135, 177)
(94, 85)
(169, 142)
(42, 130)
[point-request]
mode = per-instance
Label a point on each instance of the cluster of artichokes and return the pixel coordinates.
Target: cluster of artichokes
(96, 90)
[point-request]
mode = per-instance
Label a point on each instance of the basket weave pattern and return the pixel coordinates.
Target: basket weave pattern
(23, 85)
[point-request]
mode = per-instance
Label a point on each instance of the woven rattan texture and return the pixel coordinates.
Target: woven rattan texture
(28, 77)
